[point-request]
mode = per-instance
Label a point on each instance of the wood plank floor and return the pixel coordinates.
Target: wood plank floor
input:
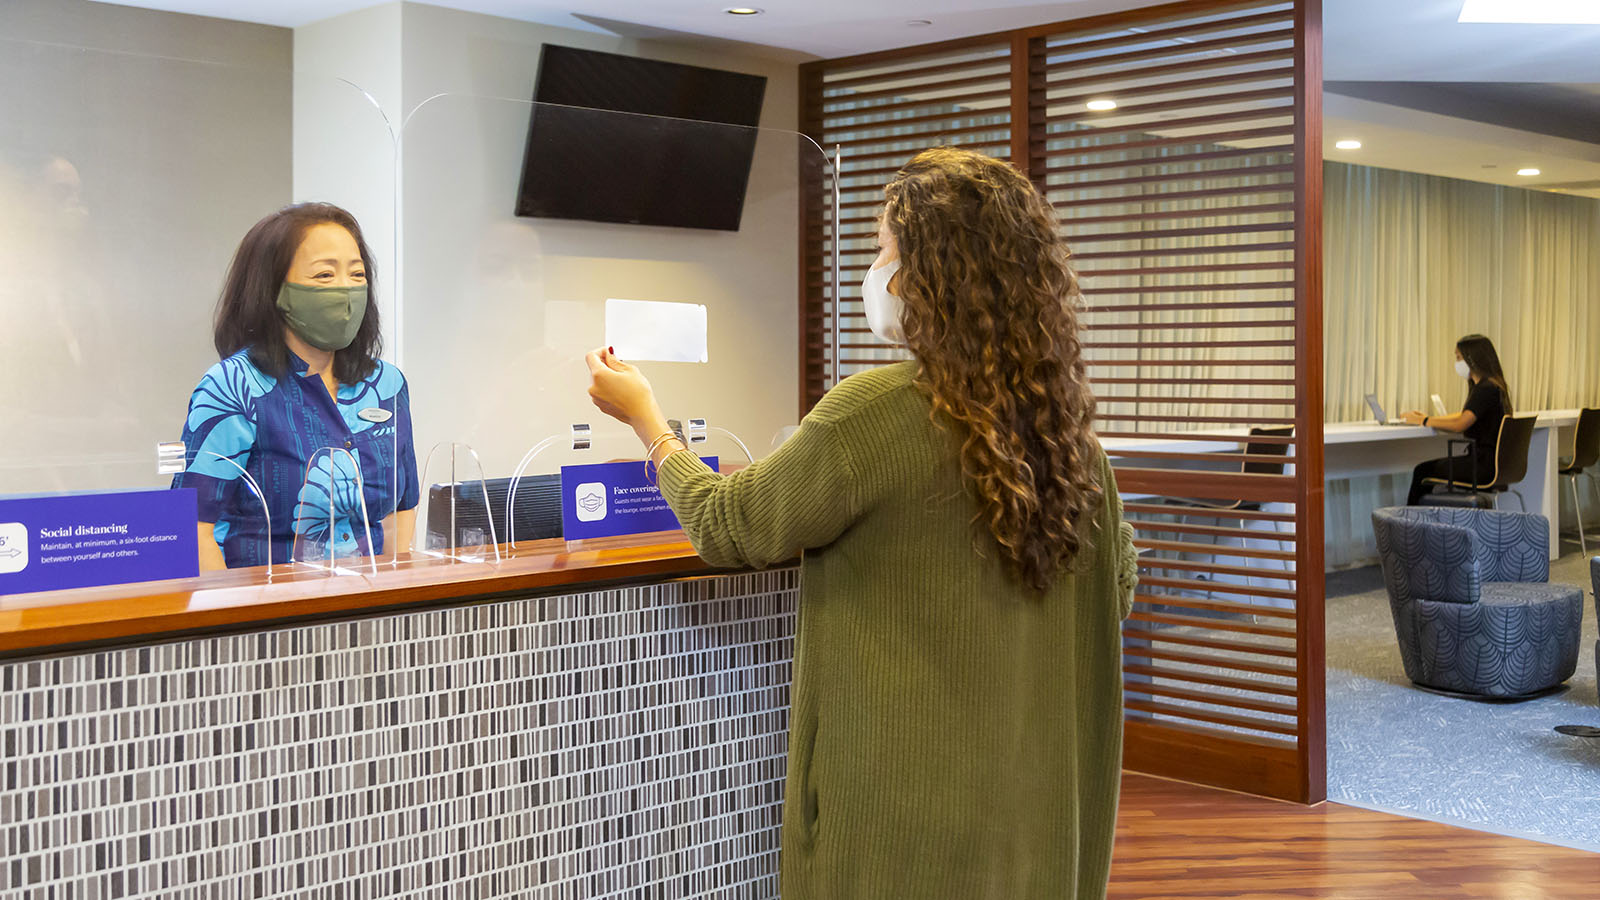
(1180, 840)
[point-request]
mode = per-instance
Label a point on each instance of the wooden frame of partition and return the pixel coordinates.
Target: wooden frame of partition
(1195, 217)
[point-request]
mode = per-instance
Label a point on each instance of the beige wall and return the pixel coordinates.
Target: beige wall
(136, 148)
(347, 113)
(499, 310)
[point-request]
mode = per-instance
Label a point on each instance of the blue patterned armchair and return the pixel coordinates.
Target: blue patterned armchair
(1473, 610)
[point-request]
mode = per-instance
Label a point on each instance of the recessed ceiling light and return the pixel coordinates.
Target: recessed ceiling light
(743, 11)
(1527, 171)
(920, 23)
(1101, 105)
(1347, 145)
(1531, 12)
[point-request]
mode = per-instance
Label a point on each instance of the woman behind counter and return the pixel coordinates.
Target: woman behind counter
(1488, 402)
(298, 335)
(956, 719)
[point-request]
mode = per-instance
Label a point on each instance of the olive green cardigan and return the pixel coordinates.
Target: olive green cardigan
(951, 734)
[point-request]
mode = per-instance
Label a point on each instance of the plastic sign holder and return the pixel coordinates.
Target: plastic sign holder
(481, 545)
(639, 509)
(333, 477)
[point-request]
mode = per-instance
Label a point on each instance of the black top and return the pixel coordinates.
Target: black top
(1488, 403)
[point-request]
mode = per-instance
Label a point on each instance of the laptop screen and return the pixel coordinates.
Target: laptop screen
(1377, 410)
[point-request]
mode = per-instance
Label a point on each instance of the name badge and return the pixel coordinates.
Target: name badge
(375, 414)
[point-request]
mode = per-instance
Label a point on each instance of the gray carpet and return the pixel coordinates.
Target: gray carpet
(1491, 767)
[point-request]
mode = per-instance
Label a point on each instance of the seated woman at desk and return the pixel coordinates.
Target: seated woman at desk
(1488, 401)
(300, 403)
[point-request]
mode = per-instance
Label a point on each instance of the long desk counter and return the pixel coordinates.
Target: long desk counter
(1360, 449)
(31, 623)
(605, 722)
(1366, 448)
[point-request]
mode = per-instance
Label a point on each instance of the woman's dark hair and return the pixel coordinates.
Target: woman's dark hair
(1478, 353)
(247, 311)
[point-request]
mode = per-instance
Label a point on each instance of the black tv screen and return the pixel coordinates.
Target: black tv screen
(621, 139)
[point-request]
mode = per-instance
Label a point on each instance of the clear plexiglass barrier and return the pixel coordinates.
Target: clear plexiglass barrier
(120, 216)
(474, 518)
(501, 308)
(494, 245)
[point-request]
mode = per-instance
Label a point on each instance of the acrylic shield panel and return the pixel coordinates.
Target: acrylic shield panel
(122, 213)
(501, 309)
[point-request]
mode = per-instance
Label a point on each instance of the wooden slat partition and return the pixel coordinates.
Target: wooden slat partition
(1196, 204)
(878, 112)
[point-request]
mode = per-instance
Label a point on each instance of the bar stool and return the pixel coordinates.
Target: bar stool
(1585, 453)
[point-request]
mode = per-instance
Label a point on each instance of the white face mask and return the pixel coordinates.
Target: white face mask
(1462, 369)
(883, 308)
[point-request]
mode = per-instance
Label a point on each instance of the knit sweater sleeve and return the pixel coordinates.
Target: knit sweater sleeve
(1125, 557)
(803, 495)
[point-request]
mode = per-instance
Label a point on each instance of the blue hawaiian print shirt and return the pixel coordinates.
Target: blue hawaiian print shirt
(243, 421)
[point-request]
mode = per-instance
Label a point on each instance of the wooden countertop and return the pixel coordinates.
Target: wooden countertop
(32, 623)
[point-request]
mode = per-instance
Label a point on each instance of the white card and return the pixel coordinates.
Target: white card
(640, 330)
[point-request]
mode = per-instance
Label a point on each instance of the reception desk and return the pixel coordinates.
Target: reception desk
(610, 721)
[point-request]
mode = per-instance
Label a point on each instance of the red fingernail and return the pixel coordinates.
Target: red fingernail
(611, 350)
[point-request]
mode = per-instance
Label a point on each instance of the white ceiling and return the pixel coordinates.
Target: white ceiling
(1367, 40)
(814, 28)
(1420, 40)
(1393, 137)
(1364, 40)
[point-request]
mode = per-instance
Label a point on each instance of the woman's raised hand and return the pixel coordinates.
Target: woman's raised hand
(620, 390)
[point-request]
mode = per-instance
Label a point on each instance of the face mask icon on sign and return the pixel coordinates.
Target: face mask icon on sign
(591, 499)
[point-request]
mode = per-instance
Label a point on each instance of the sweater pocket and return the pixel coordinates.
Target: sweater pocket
(802, 815)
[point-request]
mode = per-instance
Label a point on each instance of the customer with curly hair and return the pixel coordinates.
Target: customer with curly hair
(956, 723)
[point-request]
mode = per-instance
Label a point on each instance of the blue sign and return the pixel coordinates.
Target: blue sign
(610, 499)
(84, 540)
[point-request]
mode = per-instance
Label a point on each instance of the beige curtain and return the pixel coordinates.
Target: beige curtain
(1412, 263)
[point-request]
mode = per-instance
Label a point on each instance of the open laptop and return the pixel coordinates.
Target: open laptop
(1377, 412)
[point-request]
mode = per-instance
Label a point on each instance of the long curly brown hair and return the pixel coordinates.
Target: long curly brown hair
(991, 316)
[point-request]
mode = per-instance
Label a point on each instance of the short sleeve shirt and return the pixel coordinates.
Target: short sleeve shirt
(1486, 401)
(326, 470)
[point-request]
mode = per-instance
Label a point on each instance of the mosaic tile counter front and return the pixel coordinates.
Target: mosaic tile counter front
(625, 742)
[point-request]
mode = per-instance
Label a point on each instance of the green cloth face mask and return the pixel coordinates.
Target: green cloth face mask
(327, 318)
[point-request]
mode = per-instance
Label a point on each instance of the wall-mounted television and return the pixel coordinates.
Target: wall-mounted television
(621, 139)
